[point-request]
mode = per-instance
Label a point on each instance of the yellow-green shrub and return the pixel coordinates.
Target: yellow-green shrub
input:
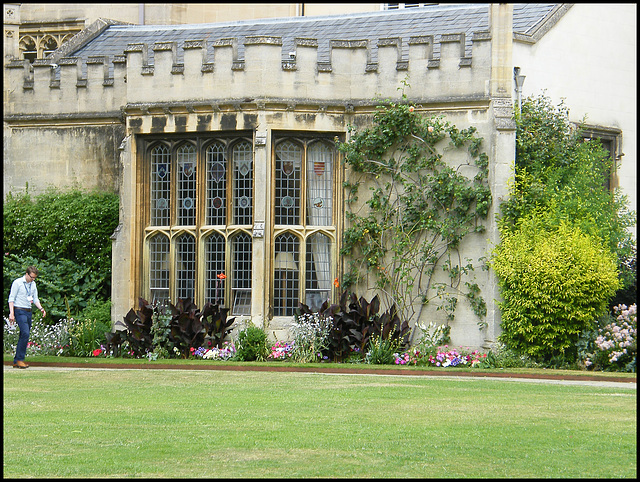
(554, 283)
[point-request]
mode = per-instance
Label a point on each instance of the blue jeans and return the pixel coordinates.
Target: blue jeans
(23, 318)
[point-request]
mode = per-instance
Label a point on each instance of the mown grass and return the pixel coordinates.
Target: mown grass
(186, 423)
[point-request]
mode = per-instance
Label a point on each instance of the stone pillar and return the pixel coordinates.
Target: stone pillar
(121, 282)
(501, 26)
(504, 143)
(261, 232)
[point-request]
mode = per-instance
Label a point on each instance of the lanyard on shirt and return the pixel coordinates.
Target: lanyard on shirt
(28, 290)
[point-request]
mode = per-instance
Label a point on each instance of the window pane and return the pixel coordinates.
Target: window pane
(318, 271)
(241, 275)
(287, 202)
(243, 183)
(160, 186)
(286, 294)
(159, 268)
(185, 266)
(215, 274)
(187, 186)
(216, 185)
(319, 185)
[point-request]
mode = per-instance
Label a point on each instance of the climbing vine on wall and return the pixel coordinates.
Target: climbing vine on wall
(406, 230)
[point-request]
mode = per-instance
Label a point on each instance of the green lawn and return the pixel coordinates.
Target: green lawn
(193, 423)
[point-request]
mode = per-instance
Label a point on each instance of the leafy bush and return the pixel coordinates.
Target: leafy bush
(65, 288)
(216, 324)
(187, 329)
(627, 295)
(153, 332)
(504, 357)
(99, 310)
(74, 225)
(554, 283)
(67, 236)
(252, 344)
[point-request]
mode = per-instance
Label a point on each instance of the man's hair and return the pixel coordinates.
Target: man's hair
(32, 270)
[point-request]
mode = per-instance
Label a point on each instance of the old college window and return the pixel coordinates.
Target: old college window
(198, 238)
(304, 223)
(199, 231)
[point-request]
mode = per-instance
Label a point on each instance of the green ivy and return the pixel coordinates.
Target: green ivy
(408, 227)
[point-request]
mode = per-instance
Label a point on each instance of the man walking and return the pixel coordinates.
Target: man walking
(24, 293)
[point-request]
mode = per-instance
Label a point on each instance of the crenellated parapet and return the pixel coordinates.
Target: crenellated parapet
(96, 86)
(256, 67)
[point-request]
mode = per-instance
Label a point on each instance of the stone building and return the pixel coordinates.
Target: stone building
(217, 136)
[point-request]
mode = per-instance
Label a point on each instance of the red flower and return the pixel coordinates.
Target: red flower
(97, 352)
(336, 283)
(222, 276)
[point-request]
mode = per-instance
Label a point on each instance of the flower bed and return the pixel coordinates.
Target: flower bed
(443, 357)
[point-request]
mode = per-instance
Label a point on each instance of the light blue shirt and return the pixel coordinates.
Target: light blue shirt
(20, 292)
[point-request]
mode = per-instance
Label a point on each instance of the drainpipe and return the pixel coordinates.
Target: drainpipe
(519, 83)
(141, 14)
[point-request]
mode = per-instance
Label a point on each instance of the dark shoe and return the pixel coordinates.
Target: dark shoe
(20, 364)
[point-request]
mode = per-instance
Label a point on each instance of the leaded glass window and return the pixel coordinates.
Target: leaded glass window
(241, 292)
(210, 255)
(243, 183)
(286, 275)
(319, 185)
(215, 265)
(216, 184)
(318, 270)
(304, 231)
(160, 186)
(288, 174)
(159, 268)
(185, 266)
(186, 185)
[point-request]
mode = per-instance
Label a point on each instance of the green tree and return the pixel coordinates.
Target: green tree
(558, 196)
(559, 174)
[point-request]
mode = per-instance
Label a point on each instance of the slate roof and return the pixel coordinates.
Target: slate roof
(433, 20)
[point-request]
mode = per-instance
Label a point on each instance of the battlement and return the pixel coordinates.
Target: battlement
(259, 67)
